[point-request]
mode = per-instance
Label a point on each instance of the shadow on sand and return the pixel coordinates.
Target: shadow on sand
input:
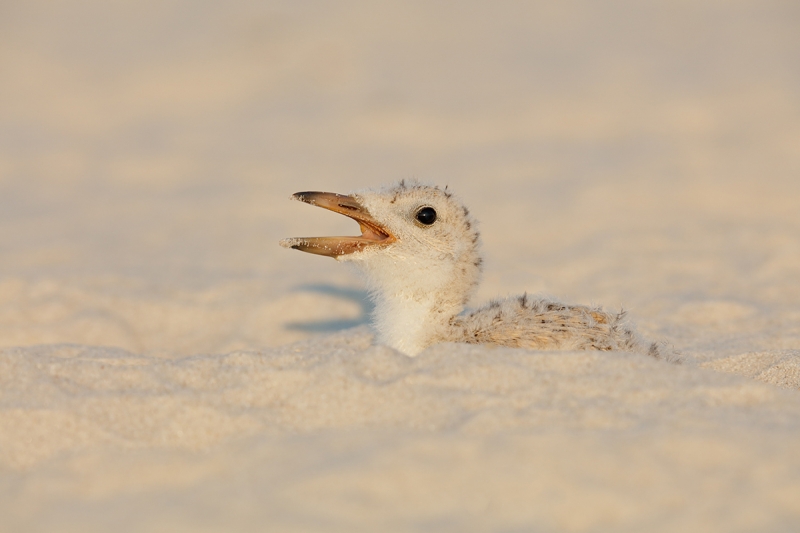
(328, 326)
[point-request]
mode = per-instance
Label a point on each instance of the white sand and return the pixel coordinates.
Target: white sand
(165, 366)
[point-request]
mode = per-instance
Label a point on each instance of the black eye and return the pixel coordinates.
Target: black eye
(426, 215)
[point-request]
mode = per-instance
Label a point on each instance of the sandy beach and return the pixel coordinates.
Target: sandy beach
(166, 366)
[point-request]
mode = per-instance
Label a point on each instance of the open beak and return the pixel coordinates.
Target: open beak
(373, 233)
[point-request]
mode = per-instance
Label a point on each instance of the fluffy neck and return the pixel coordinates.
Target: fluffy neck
(414, 303)
(409, 323)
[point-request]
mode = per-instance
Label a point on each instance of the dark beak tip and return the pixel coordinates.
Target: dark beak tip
(308, 197)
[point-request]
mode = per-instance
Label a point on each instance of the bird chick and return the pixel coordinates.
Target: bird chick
(419, 250)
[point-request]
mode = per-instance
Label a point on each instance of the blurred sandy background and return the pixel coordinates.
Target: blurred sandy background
(633, 154)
